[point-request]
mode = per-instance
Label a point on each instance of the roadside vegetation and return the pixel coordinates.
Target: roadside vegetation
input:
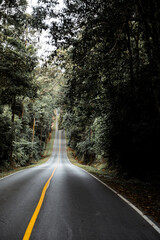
(110, 105)
(26, 87)
(46, 154)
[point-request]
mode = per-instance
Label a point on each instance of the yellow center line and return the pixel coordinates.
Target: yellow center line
(37, 210)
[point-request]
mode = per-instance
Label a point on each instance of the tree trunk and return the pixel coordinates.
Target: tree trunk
(128, 39)
(33, 137)
(12, 164)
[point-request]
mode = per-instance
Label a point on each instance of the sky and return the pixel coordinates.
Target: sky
(43, 46)
(34, 2)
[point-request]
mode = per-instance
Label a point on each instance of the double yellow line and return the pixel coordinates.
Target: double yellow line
(39, 205)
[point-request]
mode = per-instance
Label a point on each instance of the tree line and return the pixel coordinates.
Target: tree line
(26, 94)
(111, 96)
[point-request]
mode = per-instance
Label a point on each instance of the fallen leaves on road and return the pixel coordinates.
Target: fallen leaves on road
(146, 196)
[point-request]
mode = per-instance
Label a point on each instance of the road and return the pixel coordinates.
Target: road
(71, 205)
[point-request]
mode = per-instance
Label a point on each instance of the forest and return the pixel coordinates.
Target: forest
(104, 76)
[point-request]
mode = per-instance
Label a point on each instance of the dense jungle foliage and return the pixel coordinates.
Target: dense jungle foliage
(108, 56)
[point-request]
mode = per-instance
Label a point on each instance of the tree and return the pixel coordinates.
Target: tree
(112, 81)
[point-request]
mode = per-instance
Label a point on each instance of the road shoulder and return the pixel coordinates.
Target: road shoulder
(143, 195)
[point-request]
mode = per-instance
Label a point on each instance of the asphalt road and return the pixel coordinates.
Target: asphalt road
(75, 205)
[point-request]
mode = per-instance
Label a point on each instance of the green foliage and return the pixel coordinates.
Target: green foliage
(85, 150)
(111, 88)
(22, 151)
(17, 143)
(23, 96)
(5, 138)
(100, 128)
